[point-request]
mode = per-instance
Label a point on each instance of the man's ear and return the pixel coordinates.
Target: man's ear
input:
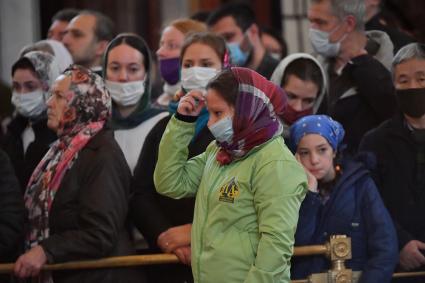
(101, 47)
(351, 23)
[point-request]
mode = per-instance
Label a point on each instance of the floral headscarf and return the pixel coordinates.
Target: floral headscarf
(88, 108)
(45, 65)
(259, 103)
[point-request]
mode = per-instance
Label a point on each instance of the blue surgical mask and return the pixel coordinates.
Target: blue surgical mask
(223, 130)
(237, 56)
(321, 44)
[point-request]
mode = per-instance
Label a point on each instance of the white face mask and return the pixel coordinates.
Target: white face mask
(275, 55)
(30, 104)
(223, 130)
(197, 77)
(320, 42)
(126, 94)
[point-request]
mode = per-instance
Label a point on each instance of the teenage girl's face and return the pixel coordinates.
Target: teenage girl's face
(125, 64)
(301, 94)
(201, 55)
(170, 43)
(317, 155)
(218, 108)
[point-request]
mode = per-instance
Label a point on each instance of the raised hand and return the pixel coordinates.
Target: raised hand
(312, 181)
(191, 104)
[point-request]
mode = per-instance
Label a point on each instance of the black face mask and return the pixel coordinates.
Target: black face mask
(412, 101)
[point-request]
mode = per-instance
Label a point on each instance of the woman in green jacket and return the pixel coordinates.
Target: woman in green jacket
(248, 185)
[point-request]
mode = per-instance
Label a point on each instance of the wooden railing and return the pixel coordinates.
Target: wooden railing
(338, 249)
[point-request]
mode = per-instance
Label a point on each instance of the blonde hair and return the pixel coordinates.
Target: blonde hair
(186, 26)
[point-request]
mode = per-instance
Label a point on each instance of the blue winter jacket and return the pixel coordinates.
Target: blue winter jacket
(354, 209)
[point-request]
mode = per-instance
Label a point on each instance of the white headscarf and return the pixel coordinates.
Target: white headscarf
(62, 55)
(281, 68)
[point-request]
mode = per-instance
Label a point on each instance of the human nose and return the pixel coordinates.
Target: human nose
(49, 101)
(161, 52)
(65, 39)
(211, 121)
(297, 104)
(415, 84)
(314, 158)
(123, 76)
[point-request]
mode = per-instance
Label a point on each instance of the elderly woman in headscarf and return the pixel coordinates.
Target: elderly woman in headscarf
(248, 185)
(77, 196)
(28, 138)
(342, 200)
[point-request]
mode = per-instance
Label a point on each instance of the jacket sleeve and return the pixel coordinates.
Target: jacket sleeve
(102, 208)
(174, 175)
(145, 210)
(12, 210)
(371, 145)
(381, 237)
(374, 84)
(307, 220)
(279, 188)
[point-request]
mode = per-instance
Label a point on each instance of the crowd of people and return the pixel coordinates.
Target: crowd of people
(221, 147)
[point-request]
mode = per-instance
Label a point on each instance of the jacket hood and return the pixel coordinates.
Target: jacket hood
(356, 167)
(386, 47)
(281, 68)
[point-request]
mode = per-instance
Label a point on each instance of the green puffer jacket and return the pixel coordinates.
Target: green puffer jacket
(245, 213)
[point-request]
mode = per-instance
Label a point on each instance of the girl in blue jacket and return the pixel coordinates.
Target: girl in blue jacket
(342, 199)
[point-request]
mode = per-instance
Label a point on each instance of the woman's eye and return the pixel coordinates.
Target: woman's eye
(134, 70)
(207, 64)
(303, 153)
(114, 68)
(291, 96)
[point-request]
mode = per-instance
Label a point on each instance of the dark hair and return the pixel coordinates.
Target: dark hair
(132, 40)
(304, 69)
(227, 86)
(65, 15)
(278, 36)
(214, 41)
(201, 16)
(242, 14)
(24, 63)
(104, 28)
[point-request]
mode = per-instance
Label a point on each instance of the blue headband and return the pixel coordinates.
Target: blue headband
(322, 125)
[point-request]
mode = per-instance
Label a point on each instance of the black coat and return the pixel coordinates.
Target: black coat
(12, 214)
(24, 164)
(361, 98)
(88, 214)
(398, 38)
(153, 213)
(395, 150)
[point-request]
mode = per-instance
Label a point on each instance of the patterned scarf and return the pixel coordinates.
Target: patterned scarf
(258, 105)
(88, 107)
